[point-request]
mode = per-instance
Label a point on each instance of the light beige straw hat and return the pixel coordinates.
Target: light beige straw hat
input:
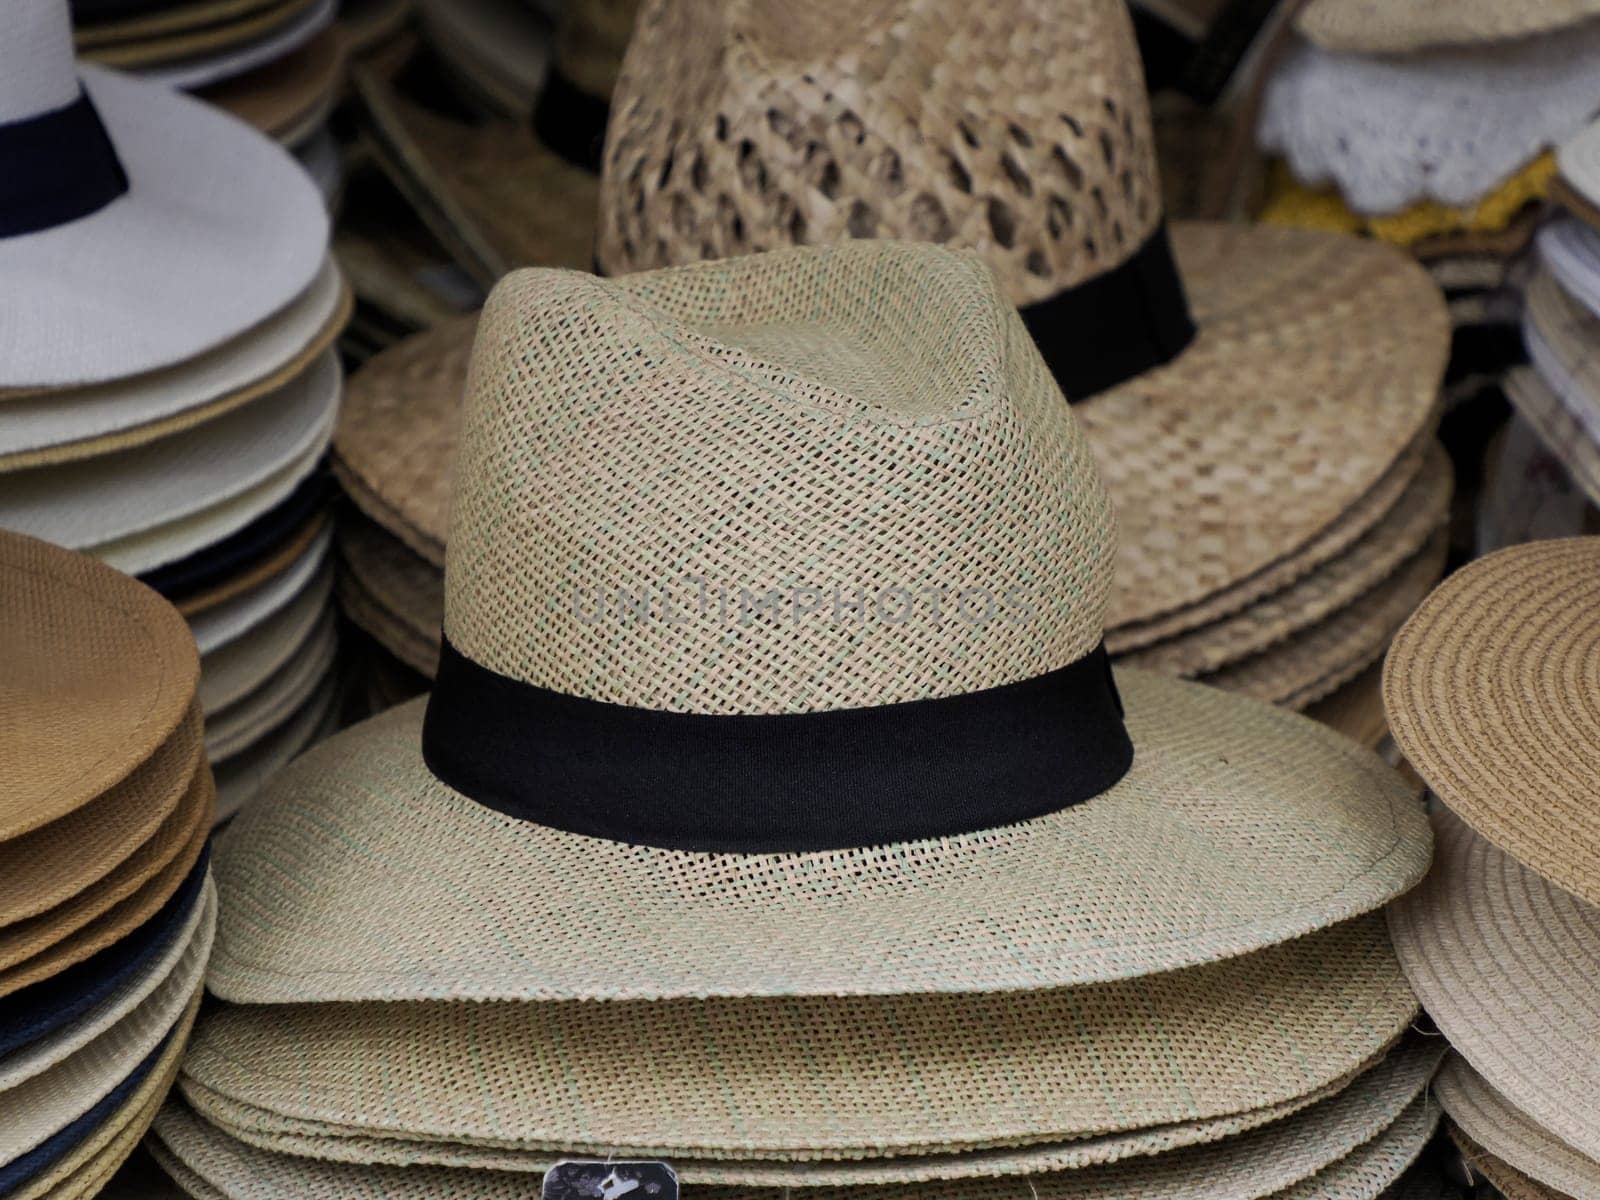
(819, 367)
(1022, 130)
(1016, 1068)
(209, 1163)
(1496, 955)
(1505, 1131)
(1405, 26)
(1399, 1076)
(1493, 693)
(1505, 1179)
(100, 672)
(390, 592)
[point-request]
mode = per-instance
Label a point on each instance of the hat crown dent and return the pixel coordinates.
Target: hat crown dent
(38, 72)
(1019, 129)
(817, 479)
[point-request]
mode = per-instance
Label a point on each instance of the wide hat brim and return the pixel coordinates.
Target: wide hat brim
(235, 729)
(1401, 26)
(242, 774)
(220, 228)
(1165, 870)
(1493, 694)
(391, 593)
(1500, 959)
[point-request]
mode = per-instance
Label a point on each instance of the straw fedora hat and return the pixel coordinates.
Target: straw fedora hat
(1303, 1015)
(826, 342)
(155, 227)
(1401, 26)
(234, 670)
(1492, 690)
(225, 623)
(1231, 364)
(1494, 952)
(1492, 1122)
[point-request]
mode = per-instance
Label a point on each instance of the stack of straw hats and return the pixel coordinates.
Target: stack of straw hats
(1262, 408)
(192, 43)
(106, 910)
(167, 383)
(777, 809)
(1493, 690)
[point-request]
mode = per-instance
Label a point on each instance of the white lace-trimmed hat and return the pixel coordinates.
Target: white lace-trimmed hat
(786, 773)
(138, 227)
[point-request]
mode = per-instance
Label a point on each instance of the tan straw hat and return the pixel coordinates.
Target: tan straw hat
(390, 592)
(1355, 709)
(1233, 426)
(1497, 954)
(99, 674)
(1193, 1045)
(289, 98)
(1492, 1122)
(809, 871)
(1493, 693)
(1505, 1179)
(1402, 26)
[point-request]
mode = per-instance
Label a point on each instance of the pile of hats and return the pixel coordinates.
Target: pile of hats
(1493, 691)
(106, 909)
(167, 382)
(776, 812)
(1262, 403)
(1557, 396)
(191, 43)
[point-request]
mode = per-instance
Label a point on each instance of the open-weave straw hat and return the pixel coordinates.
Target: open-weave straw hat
(100, 672)
(1015, 1068)
(1496, 955)
(1400, 26)
(820, 367)
(290, 98)
(1490, 1120)
(160, 228)
(1493, 694)
(1505, 1179)
(1022, 130)
(209, 1163)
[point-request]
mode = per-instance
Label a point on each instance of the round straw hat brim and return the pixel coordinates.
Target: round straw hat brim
(219, 230)
(1330, 1119)
(1402, 26)
(395, 447)
(239, 726)
(257, 570)
(121, 919)
(1310, 664)
(99, 502)
(241, 776)
(99, 674)
(406, 586)
(1495, 953)
(64, 425)
(1506, 1180)
(1493, 694)
(219, 61)
(287, 98)
(1339, 583)
(392, 631)
(1317, 362)
(1354, 524)
(49, 865)
(1355, 709)
(1222, 792)
(238, 668)
(229, 622)
(1491, 1121)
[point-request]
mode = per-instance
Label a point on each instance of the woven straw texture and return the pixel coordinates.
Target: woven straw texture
(241, 725)
(308, 1139)
(99, 672)
(272, 564)
(1356, 709)
(395, 446)
(1496, 955)
(1505, 1179)
(1491, 1121)
(334, 888)
(1351, 525)
(1493, 693)
(391, 593)
(55, 952)
(1310, 664)
(920, 120)
(394, 633)
(1562, 431)
(234, 670)
(48, 865)
(1397, 26)
(181, 966)
(211, 1164)
(793, 1084)
(1421, 510)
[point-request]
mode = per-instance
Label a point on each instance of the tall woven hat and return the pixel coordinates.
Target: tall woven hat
(1401, 26)
(138, 227)
(1493, 694)
(700, 521)
(1235, 413)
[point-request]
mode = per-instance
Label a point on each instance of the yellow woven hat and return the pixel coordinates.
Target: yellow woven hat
(1236, 412)
(819, 785)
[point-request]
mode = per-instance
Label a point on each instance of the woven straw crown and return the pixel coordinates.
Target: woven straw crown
(1020, 130)
(815, 479)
